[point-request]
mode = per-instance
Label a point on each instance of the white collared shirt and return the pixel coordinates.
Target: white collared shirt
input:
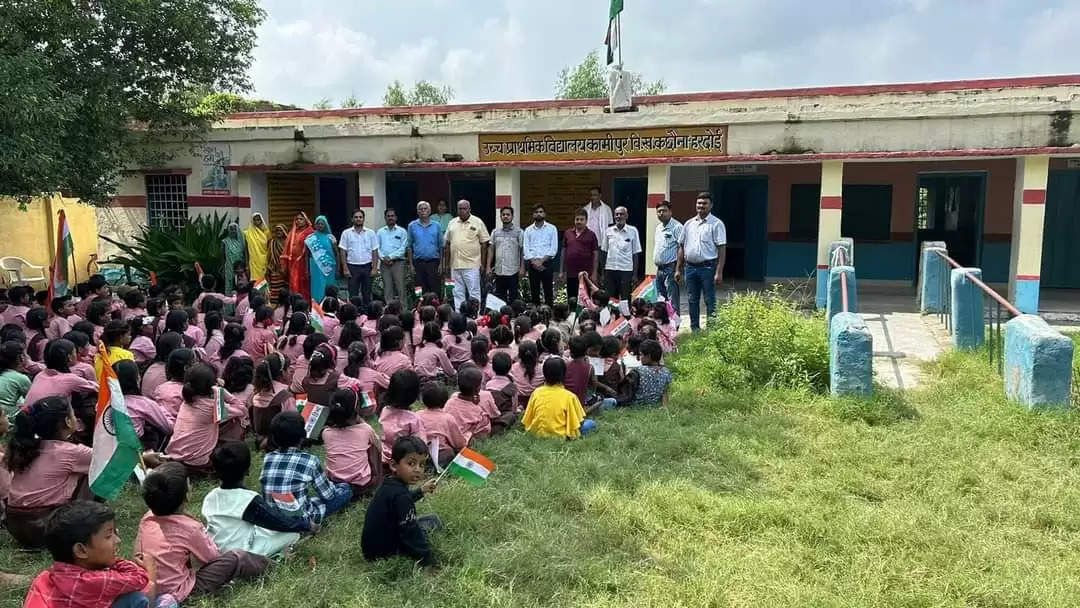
(541, 242)
(599, 219)
(358, 245)
(701, 239)
(621, 246)
(666, 246)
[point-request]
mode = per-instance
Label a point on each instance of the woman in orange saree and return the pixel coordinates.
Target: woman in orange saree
(294, 258)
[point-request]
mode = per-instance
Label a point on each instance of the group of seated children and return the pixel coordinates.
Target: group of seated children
(199, 380)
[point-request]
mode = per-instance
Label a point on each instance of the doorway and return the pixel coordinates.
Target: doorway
(1061, 250)
(632, 192)
(333, 200)
(742, 203)
(949, 208)
(402, 196)
(480, 192)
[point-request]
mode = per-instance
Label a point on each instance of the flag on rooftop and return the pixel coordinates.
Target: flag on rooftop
(611, 39)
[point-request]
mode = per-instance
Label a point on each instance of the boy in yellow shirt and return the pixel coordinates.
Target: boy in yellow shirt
(554, 411)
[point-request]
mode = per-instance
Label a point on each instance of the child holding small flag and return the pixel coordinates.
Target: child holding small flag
(391, 526)
(353, 451)
(439, 424)
(397, 419)
(207, 414)
(372, 383)
(270, 395)
(473, 408)
(260, 339)
(294, 479)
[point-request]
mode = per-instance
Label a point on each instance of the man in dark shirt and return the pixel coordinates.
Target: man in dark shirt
(391, 526)
(579, 254)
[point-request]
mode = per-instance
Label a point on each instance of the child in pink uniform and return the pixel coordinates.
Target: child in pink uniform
(504, 392)
(503, 339)
(353, 451)
(292, 343)
(440, 424)
(459, 343)
(19, 297)
(177, 540)
(142, 341)
(196, 432)
(526, 372)
(391, 359)
(472, 408)
(373, 383)
(48, 471)
(170, 394)
(215, 337)
(64, 317)
(154, 376)
(396, 419)
(481, 355)
(152, 422)
(260, 338)
(270, 395)
(57, 379)
(431, 362)
(232, 346)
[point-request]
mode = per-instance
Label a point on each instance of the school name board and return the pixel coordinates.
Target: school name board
(606, 144)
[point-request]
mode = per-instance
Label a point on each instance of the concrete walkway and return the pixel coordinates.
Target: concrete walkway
(903, 338)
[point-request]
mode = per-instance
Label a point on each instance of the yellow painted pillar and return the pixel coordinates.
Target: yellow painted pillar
(659, 189)
(371, 196)
(829, 214)
(242, 186)
(1029, 210)
(507, 194)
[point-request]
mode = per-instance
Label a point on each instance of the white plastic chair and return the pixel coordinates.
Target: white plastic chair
(18, 271)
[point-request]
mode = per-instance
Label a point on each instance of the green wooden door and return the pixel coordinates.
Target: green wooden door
(1061, 247)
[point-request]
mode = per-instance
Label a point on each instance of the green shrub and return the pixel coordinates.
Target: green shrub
(757, 340)
(171, 253)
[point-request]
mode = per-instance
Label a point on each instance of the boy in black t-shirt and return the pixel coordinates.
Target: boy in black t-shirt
(391, 526)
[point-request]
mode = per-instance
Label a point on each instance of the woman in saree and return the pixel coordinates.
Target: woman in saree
(257, 238)
(294, 257)
(322, 258)
(235, 251)
(275, 270)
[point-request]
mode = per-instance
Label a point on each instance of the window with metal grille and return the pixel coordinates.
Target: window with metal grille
(166, 200)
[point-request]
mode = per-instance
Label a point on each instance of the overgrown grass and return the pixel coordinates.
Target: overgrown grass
(948, 496)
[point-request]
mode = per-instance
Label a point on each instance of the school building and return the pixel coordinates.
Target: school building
(991, 167)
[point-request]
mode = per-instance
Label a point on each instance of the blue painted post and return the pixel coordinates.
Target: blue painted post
(821, 296)
(834, 305)
(821, 299)
(967, 309)
(930, 280)
(1038, 363)
(851, 351)
(922, 268)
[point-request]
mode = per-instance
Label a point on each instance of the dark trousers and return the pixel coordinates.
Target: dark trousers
(619, 283)
(427, 275)
(230, 565)
(506, 288)
(541, 278)
(571, 289)
(360, 281)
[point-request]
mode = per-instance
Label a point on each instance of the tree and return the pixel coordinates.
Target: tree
(88, 89)
(588, 80)
(323, 104)
(352, 101)
(223, 104)
(423, 93)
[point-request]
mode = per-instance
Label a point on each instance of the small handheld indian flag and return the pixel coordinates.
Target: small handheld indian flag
(199, 272)
(366, 401)
(221, 412)
(617, 327)
(314, 416)
(318, 317)
(116, 444)
(472, 466)
(418, 291)
(646, 290)
(260, 285)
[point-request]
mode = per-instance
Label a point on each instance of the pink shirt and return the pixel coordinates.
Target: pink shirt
(256, 340)
(525, 386)
(219, 364)
(471, 417)
(16, 315)
(143, 349)
(53, 476)
(217, 339)
(458, 353)
(347, 453)
(85, 371)
(533, 334)
(131, 313)
(173, 540)
(197, 304)
(370, 380)
(153, 377)
(430, 360)
(168, 396)
(58, 326)
(497, 384)
(293, 351)
(330, 325)
(51, 383)
(510, 350)
(261, 400)
(195, 333)
(248, 320)
(298, 372)
(36, 351)
(398, 423)
(390, 362)
(442, 425)
(143, 410)
(195, 434)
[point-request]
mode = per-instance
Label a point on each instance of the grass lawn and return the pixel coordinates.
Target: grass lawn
(948, 496)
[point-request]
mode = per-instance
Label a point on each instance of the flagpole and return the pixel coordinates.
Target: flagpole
(443, 474)
(618, 35)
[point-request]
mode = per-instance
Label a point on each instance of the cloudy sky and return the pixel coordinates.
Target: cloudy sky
(491, 50)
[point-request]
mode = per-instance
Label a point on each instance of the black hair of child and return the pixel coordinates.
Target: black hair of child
(74, 524)
(652, 350)
(405, 445)
(58, 355)
(177, 365)
(403, 390)
(165, 488)
(342, 408)
(199, 382)
(37, 422)
(434, 395)
(501, 363)
(554, 370)
(579, 346)
(231, 461)
(287, 430)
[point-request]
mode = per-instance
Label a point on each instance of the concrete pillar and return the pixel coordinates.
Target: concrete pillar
(851, 351)
(1029, 208)
(242, 189)
(967, 309)
(832, 190)
(1038, 363)
(371, 196)
(834, 304)
(659, 189)
(922, 286)
(508, 193)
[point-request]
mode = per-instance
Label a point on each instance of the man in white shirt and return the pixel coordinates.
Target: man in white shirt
(701, 255)
(622, 246)
(360, 260)
(666, 253)
(599, 217)
(540, 246)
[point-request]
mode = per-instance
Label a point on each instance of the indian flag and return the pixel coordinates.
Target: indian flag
(314, 416)
(646, 290)
(221, 412)
(418, 291)
(617, 327)
(199, 273)
(116, 444)
(472, 466)
(317, 316)
(366, 401)
(260, 285)
(65, 250)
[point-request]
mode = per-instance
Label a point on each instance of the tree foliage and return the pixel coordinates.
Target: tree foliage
(423, 93)
(323, 104)
(588, 80)
(89, 88)
(223, 104)
(352, 101)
